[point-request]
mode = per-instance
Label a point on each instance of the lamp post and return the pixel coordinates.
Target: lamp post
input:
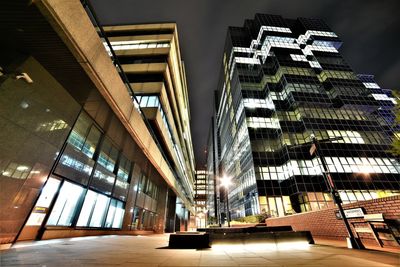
(354, 242)
(226, 182)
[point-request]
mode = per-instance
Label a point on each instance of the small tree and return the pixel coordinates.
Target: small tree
(212, 220)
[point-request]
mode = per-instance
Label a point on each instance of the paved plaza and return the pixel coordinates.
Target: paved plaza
(146, 251)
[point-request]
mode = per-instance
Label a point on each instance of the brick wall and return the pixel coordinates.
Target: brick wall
(323, 224)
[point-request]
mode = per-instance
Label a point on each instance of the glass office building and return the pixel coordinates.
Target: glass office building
(79, 153)
(201, 198)
(212, 170)
(281, 81)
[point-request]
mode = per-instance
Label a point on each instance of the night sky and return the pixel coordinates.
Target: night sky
(370, 31)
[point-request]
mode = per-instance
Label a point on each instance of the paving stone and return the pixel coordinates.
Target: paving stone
(151, 251)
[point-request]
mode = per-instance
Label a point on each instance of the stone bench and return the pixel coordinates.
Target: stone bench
(189, 240)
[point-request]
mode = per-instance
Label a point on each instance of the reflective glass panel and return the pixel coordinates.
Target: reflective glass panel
(94, 210)
(122, 183)
(76, 162)
(119, 214)
(90, 201)
(104, 176)
(100, 210)
(65, 207)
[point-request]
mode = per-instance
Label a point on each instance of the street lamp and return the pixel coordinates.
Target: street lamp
(226, 182)
(335, 194)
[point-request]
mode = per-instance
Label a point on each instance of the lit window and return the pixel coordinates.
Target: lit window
(66, 204)
(258, 103)
(44, 201)
(246, 60)
(296, 57)
(134, 44)
(381, 97)
(371, 85)
(261, 122)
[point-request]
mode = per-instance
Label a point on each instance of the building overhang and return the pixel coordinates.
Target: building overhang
(153, 114)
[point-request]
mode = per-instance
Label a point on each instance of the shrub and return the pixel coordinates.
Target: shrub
(259, 218)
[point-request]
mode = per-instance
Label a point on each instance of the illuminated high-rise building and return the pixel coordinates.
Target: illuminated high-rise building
(200, 198)
(281, 81)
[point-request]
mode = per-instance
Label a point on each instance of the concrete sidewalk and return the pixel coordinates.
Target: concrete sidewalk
(151, 250)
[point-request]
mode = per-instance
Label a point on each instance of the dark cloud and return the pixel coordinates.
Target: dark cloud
(370, 31)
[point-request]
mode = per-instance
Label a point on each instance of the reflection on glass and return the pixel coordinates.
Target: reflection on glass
(90, 144)
(48, 193)
(84, 135)
(52, 126)
(104, 175)
(122, 183)
(94, 210)
(111, 213)
(115, 214)
(15, 170)
(65, 206)
(99, 211)
(119, 214)
(37, 216)
(87, 208)
(76, 162)
(135, 219)
(108, 155)
(103, 180)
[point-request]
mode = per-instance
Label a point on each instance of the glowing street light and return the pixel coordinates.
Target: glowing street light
(226, 182)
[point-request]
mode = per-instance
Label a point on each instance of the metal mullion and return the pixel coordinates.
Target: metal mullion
(55, 197)
(83, 196)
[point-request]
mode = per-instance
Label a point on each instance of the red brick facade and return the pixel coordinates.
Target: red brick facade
(323, 224)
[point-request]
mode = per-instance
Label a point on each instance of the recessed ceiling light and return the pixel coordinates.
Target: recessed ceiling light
(22, 168)
(24, 105)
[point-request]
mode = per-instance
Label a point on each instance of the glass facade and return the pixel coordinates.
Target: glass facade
(88, 200)
(202, 214)
(77, 159)
(33, 129)
(65, 207)
(282, 81)
(71, 155)
(145, 210)
(98, 201)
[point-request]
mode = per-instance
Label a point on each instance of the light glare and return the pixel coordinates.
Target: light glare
(226, 181)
